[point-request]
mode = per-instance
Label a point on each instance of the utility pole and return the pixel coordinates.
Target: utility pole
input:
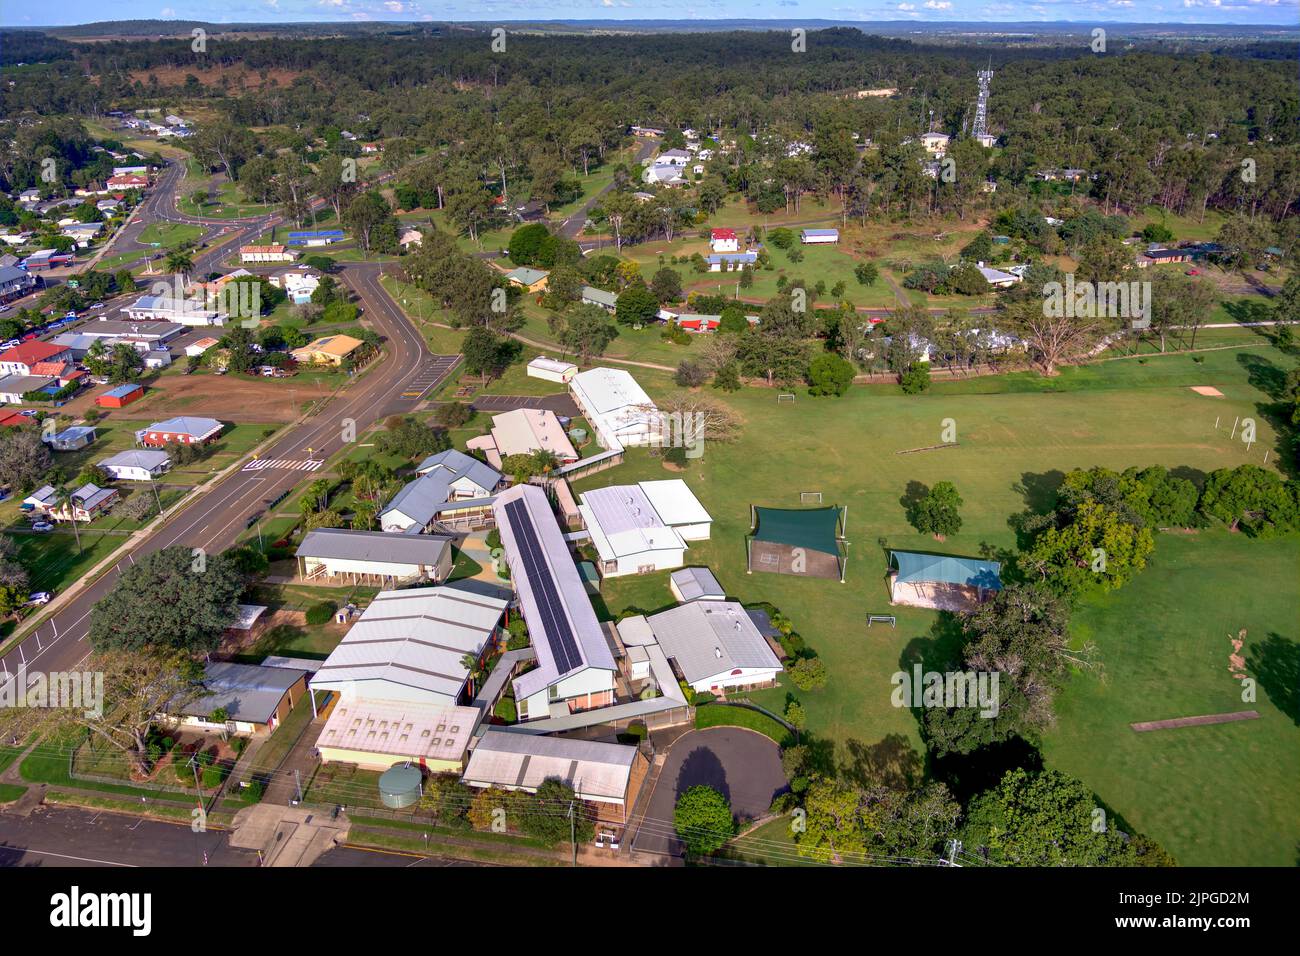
(573, 832)
(954, 847)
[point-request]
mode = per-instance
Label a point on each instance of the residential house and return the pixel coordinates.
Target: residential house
(575, 668)
(997, 278)
(593, 296)
(20, 359)
(244, 699)
(14, 387)
(15, 282)
(733, 261)
(373, 557)
(531, 280)
(724, 240)
(72, 438)
(137, 464)
(330, 350)
(85, 504)
(183, 430)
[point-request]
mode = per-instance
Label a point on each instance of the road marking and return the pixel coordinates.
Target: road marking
(287, 464)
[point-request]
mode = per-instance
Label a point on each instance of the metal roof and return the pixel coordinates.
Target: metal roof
(380, 546)
(674, 502)
(695, 583)
(595, 770)
(184, 425)
(249, 693)
(457, 464)
(708, 638)
(137, 458)
(399, 728)
(566, 634)
(415, 638)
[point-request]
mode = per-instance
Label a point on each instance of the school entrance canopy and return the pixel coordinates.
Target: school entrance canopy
(944, 581)
(803, 541)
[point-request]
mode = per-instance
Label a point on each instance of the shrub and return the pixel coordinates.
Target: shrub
(808, 673)
(916, 379)
(691, 374)
(321, 613)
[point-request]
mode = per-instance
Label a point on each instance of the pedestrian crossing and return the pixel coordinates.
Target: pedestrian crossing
(287, 464)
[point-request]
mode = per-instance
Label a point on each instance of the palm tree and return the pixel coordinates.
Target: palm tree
(63, 501)
(471, 664)
(546, 460)
(180, 262)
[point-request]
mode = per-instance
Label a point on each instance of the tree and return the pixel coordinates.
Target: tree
(866, 273)
(1050, 819)
(544, 815)
(636, 306)
(411, 438)
(482, 349)
(13, 578)
(526, 243)
(24, 458)
(371, 220)
(703, 820)
(667, 285)
(1096, 549)
(808, 673)
(1053, 335)
(936, 511)
(829, 374)
(139, 686)
(690, 374)
(180, 262)
(1251, 494)
(171, 599)
(587, 332)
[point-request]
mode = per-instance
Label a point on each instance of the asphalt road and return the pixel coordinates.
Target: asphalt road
(73, 837)
(394, 384)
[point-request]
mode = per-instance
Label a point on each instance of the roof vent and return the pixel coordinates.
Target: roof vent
(717, 652)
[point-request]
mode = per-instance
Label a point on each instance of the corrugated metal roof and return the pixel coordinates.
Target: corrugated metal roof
(708, 638)
(595, 770)
(346, 544)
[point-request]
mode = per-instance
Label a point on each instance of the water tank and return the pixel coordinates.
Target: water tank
(400, 786)
(579, 435)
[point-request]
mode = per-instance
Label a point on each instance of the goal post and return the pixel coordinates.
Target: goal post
(810, 496)
(785, 397)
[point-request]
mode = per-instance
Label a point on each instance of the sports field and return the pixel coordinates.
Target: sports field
(1017, 436)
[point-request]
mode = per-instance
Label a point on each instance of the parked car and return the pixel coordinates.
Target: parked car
(1193, 272)
(41, 527)
(253, 519)
(37, 598)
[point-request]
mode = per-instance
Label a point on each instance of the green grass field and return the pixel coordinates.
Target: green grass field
(1018, 434)
(170, 234)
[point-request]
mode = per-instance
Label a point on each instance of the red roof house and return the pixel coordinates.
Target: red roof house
(22, 358)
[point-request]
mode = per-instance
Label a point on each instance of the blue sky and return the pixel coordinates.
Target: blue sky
(1262, 12)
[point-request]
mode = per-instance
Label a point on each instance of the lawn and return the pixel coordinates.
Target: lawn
(170, 234)
(1017, 436)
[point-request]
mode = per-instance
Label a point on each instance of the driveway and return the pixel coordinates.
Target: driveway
(742, 765)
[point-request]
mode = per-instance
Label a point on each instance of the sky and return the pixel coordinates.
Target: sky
(1255, 12)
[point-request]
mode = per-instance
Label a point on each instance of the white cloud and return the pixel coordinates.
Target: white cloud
(907, 6)
(938, 5)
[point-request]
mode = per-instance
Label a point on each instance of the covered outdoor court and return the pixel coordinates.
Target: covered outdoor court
(808, 542)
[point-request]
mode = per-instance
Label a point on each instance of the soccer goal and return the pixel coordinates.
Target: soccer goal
(805, 497)
(785, 397)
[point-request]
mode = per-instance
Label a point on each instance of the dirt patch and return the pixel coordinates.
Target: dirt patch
(1208, 390)
(226, 397)
(239, 76)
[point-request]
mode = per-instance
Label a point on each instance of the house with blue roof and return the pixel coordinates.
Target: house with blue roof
(729, 261)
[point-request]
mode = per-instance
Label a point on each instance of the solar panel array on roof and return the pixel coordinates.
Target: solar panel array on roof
(564, 647)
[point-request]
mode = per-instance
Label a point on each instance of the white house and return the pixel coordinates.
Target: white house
(172, 309)
(716, 646)
(724, 240)
(673, 157)
(552, 370)
(272, 253)
(137, 465)
(997, 278)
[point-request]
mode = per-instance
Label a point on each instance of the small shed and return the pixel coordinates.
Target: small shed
(121, 395)
(695, 584)
(552, 370)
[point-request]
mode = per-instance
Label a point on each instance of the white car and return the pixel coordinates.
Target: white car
(41, 527)
(38, 597)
